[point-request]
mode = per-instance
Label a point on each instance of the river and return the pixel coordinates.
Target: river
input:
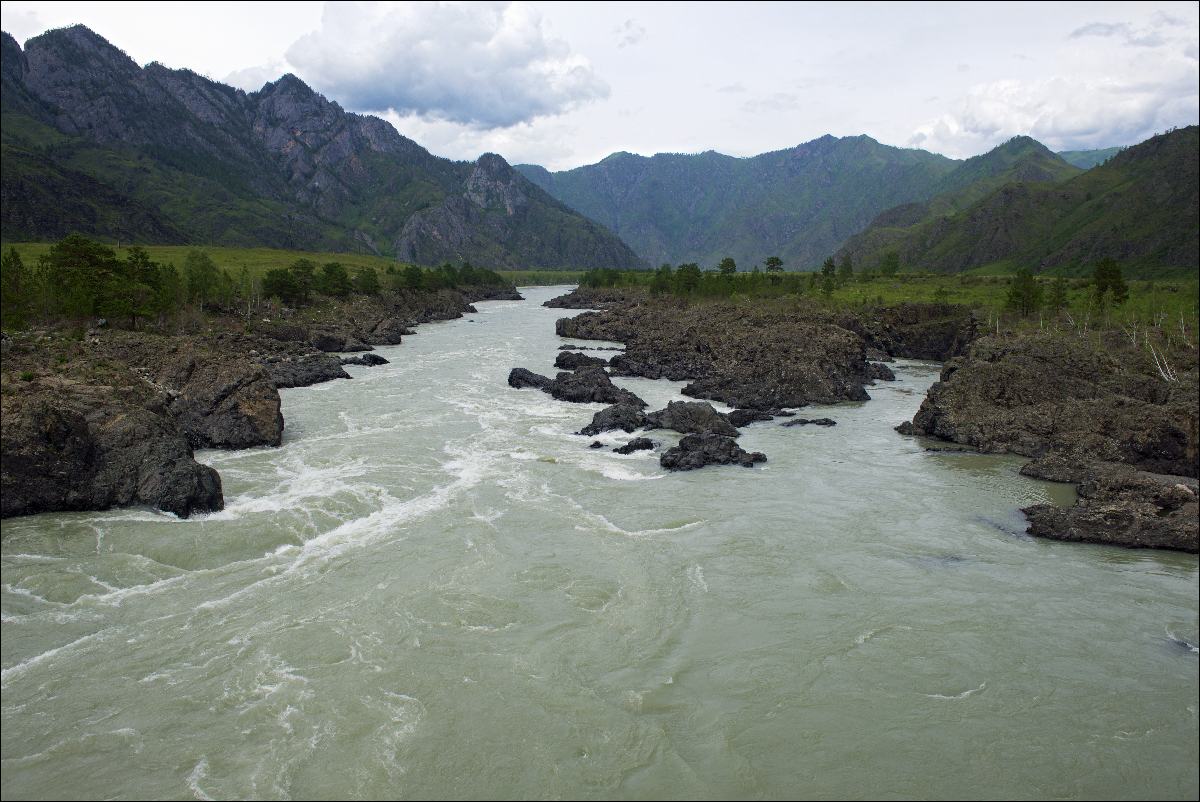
(435, 589)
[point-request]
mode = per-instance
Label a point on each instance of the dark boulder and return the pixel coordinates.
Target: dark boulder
(626, 417)
(691, 417)
(304, 370)
(569, 360)
(228, 403)
(591, 386)
(879, 371)
(744, 417)
(697, 450)
(370, 360)
(97, 452)
(388, 331)
(636, 444)
(521, 378)
(814, 421)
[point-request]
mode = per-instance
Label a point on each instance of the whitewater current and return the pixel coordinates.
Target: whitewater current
(434, 588)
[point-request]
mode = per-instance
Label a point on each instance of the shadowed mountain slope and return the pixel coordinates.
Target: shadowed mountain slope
(170, 157)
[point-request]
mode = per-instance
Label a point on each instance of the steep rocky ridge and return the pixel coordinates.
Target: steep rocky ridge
(281, 167)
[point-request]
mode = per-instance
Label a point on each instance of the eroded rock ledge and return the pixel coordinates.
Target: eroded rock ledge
(1088, 414)
(113, 420)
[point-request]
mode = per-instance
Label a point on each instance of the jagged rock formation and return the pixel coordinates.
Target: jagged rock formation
(691, 417)
(282, 167)
(1118, 506)
(758, 359)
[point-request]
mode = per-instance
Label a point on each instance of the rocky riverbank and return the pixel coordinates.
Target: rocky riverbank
(1088, 412)
(112, 418)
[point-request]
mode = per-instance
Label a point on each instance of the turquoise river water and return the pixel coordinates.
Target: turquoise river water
(435, 589)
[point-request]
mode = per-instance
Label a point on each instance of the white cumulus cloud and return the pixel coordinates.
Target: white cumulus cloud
(481, 65)
(1117, 84)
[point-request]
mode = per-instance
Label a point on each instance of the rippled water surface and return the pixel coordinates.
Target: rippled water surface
(436, 589)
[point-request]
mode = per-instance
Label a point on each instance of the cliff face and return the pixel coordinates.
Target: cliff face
(281, 167)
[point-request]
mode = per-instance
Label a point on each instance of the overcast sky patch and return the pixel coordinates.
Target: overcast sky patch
(554, 83)
(480, 65)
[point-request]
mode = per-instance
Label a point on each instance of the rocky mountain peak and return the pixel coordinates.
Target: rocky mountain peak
(494, 182)
(280, 167)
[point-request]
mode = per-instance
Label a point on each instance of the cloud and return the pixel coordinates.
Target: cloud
(21, 24)
(481, 65)
(733, 88)
(630, 33)
(252, 79)
(548, 142)
(1117, 84)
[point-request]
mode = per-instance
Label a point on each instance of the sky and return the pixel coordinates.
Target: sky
(564, 84)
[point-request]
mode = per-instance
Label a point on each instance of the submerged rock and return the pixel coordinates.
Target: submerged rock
(814, 421)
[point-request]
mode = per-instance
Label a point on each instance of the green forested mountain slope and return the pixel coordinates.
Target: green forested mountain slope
(798, 204)
(1019, 159)
(1087, 159)
(1140, 207)
(167, 156)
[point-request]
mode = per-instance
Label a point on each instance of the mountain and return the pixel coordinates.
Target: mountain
(798, 204)
(1087, 159)
(1019, 159)
(94, 144)
(1140, 207)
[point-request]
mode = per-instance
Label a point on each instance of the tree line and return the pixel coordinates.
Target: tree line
(79, 280)
(1106, 289)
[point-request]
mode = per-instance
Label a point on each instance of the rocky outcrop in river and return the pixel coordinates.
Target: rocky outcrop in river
(767, 356)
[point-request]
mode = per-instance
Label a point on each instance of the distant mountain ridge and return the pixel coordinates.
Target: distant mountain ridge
(169, 156)
(1141, 207)
(800, 204)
